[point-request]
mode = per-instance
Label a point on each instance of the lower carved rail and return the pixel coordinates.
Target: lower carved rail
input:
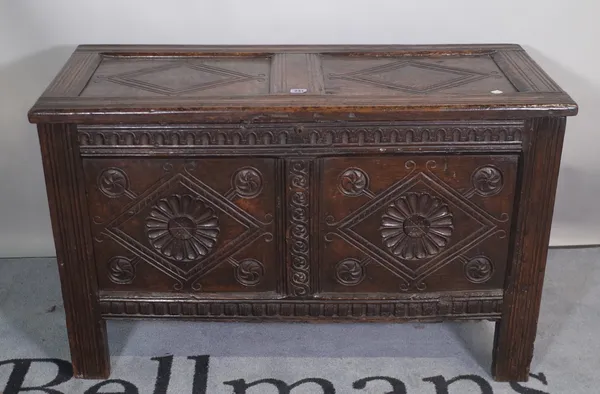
(459, 308)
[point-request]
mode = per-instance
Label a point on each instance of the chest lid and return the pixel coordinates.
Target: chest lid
(291, 83)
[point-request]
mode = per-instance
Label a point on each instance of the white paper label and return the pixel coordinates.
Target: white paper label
(298, 91)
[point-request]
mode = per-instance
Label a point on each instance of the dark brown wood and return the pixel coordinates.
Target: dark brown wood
(366, 203)
(252, 84)
(70, 225)
(429, 307)
(358, 183)
(515, 333)
(134, 204)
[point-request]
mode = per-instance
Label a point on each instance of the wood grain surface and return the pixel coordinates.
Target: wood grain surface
(305, 183)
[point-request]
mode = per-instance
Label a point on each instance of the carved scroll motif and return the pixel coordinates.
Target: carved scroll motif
(121, 270)
(114, 183)
(247, 182)
(298, 212)
(487, 181)
(249, 272)
(479, 269)
(349, 272)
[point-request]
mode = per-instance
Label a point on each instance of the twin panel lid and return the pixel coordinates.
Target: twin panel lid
(292, 83)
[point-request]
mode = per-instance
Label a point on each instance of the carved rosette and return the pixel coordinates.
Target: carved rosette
(298, 244)
(353, 182)
(349, 272)
(249, 272)
(182, 228)
(121, 270)
(479, 269)
(416, 226)
(487, 181)
(113, 182)
(247, 182)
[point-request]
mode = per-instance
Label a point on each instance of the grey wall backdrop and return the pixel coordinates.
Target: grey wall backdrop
(36, 38)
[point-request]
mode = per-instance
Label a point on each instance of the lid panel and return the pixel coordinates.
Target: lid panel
(179, 76)
(404, 75)
(107, 84)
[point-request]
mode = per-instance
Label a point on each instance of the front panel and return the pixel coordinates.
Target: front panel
(195, 225)
(397, 224)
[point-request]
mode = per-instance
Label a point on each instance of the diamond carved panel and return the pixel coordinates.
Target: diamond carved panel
(185, 228)
(248, 229)
(420, 227)
(179, 77)
(479, 224)
(412, 75)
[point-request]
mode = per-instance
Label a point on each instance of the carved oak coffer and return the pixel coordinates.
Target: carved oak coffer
(359, 183)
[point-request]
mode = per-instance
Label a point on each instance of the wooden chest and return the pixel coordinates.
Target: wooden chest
(356, 183)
